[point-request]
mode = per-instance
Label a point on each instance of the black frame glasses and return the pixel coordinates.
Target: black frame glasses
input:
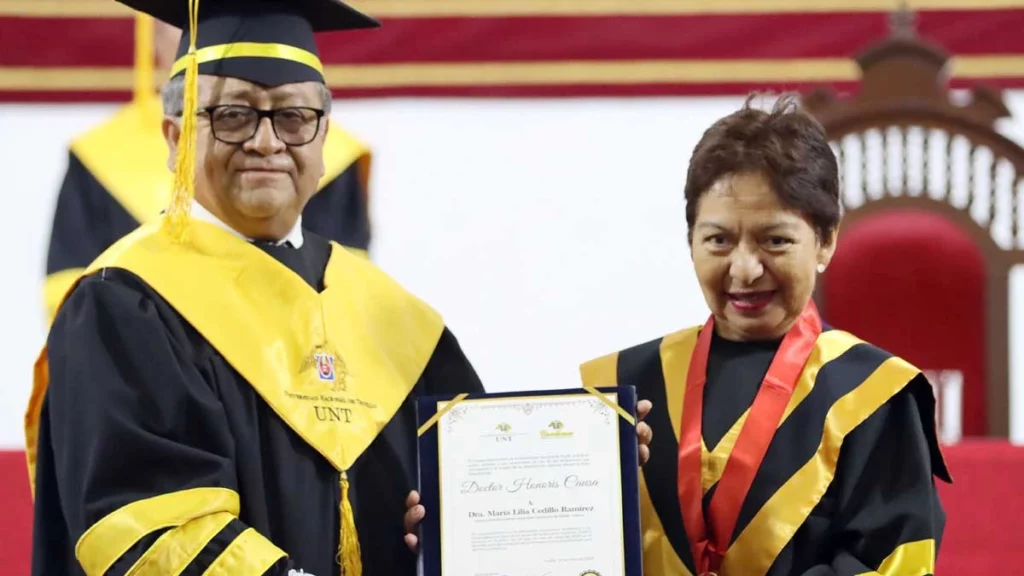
(293, 125)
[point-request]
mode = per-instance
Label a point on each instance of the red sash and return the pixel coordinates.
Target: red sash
(745, 459)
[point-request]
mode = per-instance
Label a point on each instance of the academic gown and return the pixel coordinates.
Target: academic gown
(846, 486)
(117, 179)
(142, 409)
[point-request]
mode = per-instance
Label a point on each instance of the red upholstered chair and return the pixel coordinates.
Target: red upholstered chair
(912, 280)
(934, 203)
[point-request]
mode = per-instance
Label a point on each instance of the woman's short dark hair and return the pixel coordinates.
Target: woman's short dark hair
(787, 145)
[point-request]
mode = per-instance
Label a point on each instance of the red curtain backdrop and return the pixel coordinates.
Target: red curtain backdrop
(499, 48)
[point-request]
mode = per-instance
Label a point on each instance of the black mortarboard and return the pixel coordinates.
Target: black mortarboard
(269, 42)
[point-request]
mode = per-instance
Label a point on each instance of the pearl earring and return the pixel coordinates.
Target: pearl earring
(821, 268)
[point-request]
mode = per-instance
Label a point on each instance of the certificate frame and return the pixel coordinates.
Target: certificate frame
(428, 470)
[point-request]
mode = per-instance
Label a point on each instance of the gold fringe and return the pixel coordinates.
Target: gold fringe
(619, 409)
(183, 192)
(350, 557)
(437, 415)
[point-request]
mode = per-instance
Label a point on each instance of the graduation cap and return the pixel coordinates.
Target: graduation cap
(268, 42)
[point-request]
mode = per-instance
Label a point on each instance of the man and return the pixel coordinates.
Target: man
(117, 174)
(224, 391)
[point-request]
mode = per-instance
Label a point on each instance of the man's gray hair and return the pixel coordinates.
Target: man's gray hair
(326, 97)
(172, 95)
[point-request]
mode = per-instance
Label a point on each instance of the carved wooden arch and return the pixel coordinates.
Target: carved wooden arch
(944, 157)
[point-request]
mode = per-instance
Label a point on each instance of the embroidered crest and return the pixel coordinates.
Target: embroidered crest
(324, 366)
(329, 366)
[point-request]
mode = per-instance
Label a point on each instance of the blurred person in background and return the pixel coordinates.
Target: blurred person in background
(783, 446)
(224, 391)
(117, 175)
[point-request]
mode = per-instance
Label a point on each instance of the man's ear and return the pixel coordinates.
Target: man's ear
(172, 131)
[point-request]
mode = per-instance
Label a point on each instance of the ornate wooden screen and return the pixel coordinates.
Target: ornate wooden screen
(912, 158)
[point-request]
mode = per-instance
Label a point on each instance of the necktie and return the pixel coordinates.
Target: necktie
(272, 244)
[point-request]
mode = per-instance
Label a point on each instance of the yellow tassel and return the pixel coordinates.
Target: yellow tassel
(185, 159)
(350, 557)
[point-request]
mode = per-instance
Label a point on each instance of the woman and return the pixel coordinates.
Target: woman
(782, 446)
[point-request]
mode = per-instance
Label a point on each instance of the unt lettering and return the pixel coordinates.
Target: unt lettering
(333, 414)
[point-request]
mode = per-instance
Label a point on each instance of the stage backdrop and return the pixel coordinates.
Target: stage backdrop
(546, 231)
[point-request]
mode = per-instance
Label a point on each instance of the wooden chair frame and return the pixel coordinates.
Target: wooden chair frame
(903, 90)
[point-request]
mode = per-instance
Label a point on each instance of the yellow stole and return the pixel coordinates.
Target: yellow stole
(128, 156)
(334, 365)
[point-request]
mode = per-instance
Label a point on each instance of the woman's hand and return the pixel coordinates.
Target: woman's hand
(643, 431)
(414, 513)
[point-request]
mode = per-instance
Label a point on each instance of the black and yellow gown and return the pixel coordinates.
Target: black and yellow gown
(117, 178)
(846, 485)
(196, 410)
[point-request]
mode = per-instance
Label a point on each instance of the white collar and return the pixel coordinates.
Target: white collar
(295, 236)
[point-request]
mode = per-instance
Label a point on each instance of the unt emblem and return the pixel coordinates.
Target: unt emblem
(330, 368)
(324, 366)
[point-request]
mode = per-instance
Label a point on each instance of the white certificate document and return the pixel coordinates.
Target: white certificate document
(531, 486)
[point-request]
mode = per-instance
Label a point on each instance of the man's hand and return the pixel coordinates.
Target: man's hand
(643, 433)
(414, 513)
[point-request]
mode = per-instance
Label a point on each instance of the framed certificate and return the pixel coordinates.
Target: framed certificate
(530, 484)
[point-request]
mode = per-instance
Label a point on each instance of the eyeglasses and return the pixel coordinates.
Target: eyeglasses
(236, 124)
